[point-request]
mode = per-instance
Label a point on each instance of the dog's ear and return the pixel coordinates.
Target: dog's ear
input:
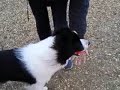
(64, 35)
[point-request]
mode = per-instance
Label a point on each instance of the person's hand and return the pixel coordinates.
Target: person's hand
(81, 57)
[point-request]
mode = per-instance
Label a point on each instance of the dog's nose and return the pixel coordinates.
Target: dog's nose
(88, 42)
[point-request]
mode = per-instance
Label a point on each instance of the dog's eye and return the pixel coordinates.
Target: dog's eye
(75, 32)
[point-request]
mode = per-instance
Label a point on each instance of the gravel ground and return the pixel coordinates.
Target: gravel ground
(100, 72)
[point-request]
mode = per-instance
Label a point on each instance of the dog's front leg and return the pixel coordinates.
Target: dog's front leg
(37, 86)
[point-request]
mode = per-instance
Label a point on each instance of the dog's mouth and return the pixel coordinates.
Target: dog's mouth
(78, 53)
(85, 44)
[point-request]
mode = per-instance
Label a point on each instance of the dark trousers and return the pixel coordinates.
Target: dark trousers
(78, 10)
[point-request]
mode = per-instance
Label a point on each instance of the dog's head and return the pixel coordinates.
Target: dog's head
(66, 43)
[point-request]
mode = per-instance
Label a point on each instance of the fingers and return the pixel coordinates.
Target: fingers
(80, 59)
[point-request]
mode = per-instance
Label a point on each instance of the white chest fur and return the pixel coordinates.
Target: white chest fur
(41, 60)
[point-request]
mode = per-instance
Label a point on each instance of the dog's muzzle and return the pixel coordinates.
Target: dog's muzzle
(78, 53)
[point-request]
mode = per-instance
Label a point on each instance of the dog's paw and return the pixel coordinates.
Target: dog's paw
(28, 88)
(45, 88)
(35, 88)
(32, 87)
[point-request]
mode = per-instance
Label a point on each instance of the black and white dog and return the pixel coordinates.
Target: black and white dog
(36, 63)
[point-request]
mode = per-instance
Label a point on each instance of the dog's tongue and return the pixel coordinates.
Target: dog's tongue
(81, 52)
(80, 57)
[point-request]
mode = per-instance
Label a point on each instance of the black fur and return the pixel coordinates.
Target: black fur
(67, 43)
(13, 69)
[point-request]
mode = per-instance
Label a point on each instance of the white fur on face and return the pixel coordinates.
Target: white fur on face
(85, 43)
(40, 60)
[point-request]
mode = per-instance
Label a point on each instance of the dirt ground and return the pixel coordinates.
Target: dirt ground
(100, 72)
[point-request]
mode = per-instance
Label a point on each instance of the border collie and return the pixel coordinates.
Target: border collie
(36, 63)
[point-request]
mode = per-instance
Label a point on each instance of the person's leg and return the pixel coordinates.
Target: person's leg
(59, 8)
(77, 20)
(77, 16)
(40, 13)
